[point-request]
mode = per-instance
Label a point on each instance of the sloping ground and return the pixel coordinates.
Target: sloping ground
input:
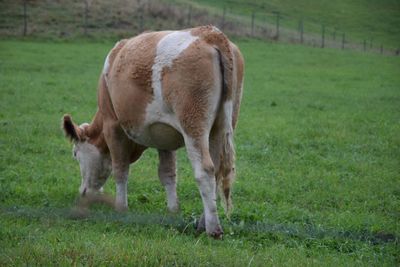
(372, 20)
(72, 18)
(121, 18)
(98, 19)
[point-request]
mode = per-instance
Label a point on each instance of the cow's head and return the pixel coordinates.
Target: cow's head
(95, 166)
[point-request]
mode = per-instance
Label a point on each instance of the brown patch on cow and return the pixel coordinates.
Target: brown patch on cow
(130, 83)
(105, 111)
(106, 116)
(217, 39)
(187, 86)
(112, 55)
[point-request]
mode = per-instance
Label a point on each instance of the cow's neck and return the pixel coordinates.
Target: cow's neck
(95, 133)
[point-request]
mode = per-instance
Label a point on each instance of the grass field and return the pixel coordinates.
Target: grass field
(318, 161)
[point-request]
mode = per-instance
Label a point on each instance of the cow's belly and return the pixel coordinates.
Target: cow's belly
(165, 137)
(158, 135)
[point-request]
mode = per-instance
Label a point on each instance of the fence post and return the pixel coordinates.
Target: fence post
(278, 16)
(223, 19)
(253, 14)
(85, 18)
(25, 19)
(323, 37)
(343, 40)
(140, 11)
(301, 29)
(190, 15)
(265, 26)
(141, 24)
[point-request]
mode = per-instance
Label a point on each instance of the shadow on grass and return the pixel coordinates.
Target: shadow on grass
(187, 225)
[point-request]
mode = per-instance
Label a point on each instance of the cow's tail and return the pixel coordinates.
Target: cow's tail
(225, 173)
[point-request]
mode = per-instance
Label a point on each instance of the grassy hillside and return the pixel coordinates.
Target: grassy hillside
(102, 19)
(317, 159)
(375, 22)
(360, 19)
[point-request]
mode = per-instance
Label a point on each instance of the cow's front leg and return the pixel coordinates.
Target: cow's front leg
(121, 148)
(167, 175)
(121, 180)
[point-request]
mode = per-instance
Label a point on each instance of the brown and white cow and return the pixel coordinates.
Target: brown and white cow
(165, 90)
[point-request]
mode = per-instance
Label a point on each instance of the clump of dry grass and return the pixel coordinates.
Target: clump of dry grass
(83, 204)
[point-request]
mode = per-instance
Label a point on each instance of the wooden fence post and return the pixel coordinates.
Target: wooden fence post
(253, 14)
(343, 40)
(223, 19)
(323, 37)
(85, 17)
(25, 18)
(278, 16)
(301, 29)
(141, 23)
(265, 26)
(190, 15)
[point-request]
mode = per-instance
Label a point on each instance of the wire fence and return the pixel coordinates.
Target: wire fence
(122, 18)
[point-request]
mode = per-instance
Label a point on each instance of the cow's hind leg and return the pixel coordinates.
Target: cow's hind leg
(167, 175)
(215, 146)
(199, 155)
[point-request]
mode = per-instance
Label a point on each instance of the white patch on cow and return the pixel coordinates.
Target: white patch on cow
(172, 198)
(206, 184)
(228, 110)
(215, 29)
(121, 199)
(195, 156)
(95, 167)
(168, 49)
(106, 64)
(84, 125)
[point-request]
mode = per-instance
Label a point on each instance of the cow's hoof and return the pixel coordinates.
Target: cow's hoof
(174, 209)
(121, 208)
(201, 224)
(79, 213)
(217, 233)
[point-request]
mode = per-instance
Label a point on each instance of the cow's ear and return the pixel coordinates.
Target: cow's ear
(71, 130)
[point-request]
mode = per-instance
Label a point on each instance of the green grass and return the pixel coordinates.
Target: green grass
(359, 19)
(318, 156)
